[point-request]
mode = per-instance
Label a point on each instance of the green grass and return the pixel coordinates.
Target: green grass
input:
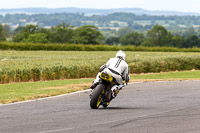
(32, 90)
(169, 75)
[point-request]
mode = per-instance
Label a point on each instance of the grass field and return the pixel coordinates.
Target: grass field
(23, 66)
(32, 90)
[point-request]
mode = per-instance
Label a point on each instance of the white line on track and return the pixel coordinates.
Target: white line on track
(67, 94)
(46, 98)
(58, 130)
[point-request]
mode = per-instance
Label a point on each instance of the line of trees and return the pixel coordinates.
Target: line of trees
(88, 34)
(157, 36)
(62, 33)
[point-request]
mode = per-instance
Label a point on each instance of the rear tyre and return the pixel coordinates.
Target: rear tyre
(97, 96)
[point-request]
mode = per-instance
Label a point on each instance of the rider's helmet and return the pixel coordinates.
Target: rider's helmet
(121, 54)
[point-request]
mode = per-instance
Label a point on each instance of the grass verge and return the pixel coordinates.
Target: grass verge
(15, 92)
(183, 75)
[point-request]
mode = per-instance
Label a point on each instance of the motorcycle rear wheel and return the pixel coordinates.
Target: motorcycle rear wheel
(97, 96)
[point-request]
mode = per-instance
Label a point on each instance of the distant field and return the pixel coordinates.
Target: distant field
(23, 66)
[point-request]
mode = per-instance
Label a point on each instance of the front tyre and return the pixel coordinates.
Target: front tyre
(97, 96)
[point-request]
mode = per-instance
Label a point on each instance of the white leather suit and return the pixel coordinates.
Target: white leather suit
(118, 68)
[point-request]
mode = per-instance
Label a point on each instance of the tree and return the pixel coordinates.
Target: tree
(30, 29)
(2, 33)
(123, 31)
(7, 30)
(37, 38)
(158, 36)
(137, 27)
(24, 33)
(178, 41)
(130, 23)
(87, 34)
(112, 40)
(192, 41)
(133, 38)
(17, 30)
(62, 33)
(188, 32)
(147, 27)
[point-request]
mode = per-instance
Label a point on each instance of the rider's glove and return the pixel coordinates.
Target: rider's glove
(102, 68)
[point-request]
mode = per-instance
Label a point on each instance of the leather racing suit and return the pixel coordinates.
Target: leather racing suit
(118, 69)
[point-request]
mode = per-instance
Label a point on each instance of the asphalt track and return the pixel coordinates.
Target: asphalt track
(150, 107)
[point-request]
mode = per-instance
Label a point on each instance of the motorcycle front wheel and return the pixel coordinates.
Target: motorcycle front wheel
(97, 96)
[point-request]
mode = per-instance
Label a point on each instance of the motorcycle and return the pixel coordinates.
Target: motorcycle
(102, 93)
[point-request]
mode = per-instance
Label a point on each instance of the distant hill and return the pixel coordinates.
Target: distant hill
(86, 11)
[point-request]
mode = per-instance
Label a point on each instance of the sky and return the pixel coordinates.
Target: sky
(165, 5)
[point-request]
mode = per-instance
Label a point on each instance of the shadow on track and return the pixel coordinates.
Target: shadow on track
(122, 108)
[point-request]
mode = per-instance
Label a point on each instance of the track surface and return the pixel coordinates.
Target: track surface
(151, 107)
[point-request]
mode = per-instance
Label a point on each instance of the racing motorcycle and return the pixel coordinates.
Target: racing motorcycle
(102, 93)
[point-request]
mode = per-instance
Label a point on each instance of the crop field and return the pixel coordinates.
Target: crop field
(24, 66)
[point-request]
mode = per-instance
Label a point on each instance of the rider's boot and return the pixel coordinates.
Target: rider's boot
(115, 91)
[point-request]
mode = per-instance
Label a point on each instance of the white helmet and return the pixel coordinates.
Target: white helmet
(121, 54)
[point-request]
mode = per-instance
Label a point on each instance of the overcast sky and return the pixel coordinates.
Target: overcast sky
(166, 5)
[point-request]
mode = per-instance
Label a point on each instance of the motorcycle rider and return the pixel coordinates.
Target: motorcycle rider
(117, 68)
